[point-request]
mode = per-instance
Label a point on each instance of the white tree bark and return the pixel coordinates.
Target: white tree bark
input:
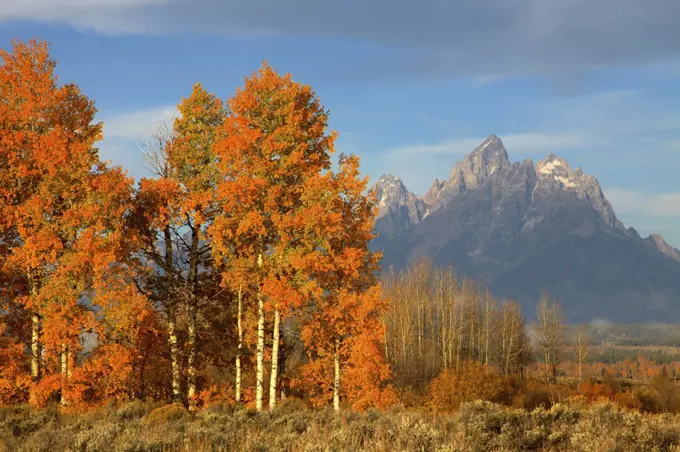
(172, 319)
(239, 347)
(64, 373)
(35, 347)
(259, 390)
(336, 380)
(193, 308)
(174, 355)
(35, 342)
(275, 360)
(581, 349)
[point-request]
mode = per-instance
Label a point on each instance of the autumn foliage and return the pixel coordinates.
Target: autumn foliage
(240, 273)
(244, 237)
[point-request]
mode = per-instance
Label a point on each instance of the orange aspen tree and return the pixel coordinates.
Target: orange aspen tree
(47, 159)
(345, 330)
(273, 140)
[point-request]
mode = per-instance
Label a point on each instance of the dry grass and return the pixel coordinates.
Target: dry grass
(478, 426)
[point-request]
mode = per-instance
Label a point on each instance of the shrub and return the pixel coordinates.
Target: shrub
(291, 405)
(471, 382)
(479, 426)
(667, 393)
(594, 391)
(167, 413)
(132, 410)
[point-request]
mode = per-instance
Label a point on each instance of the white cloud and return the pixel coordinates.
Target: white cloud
(101, 15)
(634, 202)
(648, 212)
(524, 142)
(137, 125)
(124, 134)
(453, 147)
(544, 142)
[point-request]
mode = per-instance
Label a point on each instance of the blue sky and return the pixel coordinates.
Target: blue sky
(411, 86)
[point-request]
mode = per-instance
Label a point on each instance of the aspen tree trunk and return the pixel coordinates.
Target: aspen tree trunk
(275, 360)
(70, 363)
(581, 350)
(193, 300)
(452, 330)
(461, 324)
(419, 319)
(444, 362)
(35, 343)
(471, 351)
(174, 355)
(504, 340)
(487, 328)
(35, 347)
(172, 319)
(387, 354)
(259, 391)
(442, 315)
(64, 373)
(336, 380)
(239, 347)
(509, 351)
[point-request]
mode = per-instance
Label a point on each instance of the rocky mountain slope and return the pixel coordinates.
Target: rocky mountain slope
(527, 228)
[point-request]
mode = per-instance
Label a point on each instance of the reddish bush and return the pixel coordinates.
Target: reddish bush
(471, 382)
(593, 391)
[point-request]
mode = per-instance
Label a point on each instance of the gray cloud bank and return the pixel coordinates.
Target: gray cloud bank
(464, 36)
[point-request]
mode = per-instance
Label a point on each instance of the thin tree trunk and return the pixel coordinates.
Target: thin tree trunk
(64, 373)
(461, 326)
(471, 345)
(193, 308)
(336, 380)
(385, 346)
(442, 316)
(487, 332)
(452, 330)
(35, 343)
(275, 360)
(259, 391)
(509, 350)
(172, 319)
(239, 347)
(174, 355)
(35, 347)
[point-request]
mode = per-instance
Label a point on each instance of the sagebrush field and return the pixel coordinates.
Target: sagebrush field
(478, 426)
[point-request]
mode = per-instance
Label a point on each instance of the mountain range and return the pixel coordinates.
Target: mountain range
(529, 228)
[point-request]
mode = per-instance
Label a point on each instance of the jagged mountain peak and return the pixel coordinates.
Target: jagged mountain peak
(557, 168)
(435, 190)
(551, 163)
(555, 171)
(396, 204)
(391, 191)
(528, 228)
(486, 158)
(660, 244)
(388, 178)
